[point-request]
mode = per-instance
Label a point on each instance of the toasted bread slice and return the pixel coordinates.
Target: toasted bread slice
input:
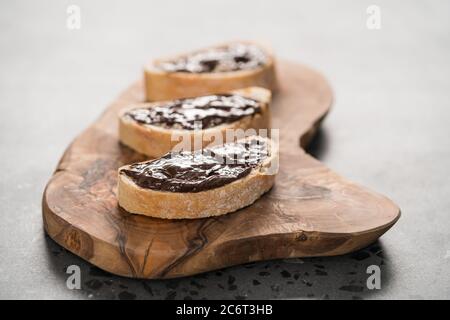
(215, 201)
(155, 141)
(163, 84)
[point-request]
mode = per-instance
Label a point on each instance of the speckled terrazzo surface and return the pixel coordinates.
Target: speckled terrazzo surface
(320, 278)
(388, 130)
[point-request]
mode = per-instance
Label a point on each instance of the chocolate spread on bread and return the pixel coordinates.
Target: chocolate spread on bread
(232, 57)
(200, 170)
(197, 113)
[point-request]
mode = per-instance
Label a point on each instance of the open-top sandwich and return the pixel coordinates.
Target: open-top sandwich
(203, 183)
(215, 69)
(156, 128)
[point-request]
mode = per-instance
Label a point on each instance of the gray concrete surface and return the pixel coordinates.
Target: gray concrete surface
(389, 130)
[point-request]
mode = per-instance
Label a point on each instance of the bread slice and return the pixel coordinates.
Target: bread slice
(155, 141)
(211, 202)
(161, 84)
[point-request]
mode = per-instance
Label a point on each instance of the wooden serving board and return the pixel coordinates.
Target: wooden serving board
(311, 211)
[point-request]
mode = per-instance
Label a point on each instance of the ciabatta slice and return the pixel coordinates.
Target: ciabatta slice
(155, 141)
(161, 83)
(170, 201)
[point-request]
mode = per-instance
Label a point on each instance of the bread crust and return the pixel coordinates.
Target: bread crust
(162, 85)
(155, 141)
(213, 202)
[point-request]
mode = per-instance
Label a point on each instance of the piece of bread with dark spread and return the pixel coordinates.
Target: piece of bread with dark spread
(155, 128)
(203, 183)
(220, 68)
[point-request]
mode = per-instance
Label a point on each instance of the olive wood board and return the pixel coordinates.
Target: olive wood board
(311, 211)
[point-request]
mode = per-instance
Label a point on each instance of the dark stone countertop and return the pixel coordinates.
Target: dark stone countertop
(388, 130)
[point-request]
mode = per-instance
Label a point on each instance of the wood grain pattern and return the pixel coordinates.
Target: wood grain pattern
(311, 211)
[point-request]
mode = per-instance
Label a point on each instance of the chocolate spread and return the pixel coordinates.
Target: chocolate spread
(197, 113)
(199, 170)
(233, 57)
